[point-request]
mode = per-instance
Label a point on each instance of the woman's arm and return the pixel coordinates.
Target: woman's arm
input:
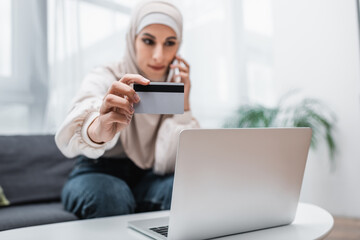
(101, 109)
(72, 138)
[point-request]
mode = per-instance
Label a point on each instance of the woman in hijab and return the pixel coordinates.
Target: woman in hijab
(127, 161)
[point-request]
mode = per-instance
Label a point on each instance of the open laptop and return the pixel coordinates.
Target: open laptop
(229, 181)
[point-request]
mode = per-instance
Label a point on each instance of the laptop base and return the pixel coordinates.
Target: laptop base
(145, 226)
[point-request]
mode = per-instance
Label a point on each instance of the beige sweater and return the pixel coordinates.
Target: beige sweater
(157, 137)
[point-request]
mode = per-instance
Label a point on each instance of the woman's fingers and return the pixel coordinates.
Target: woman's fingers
(183, 75)
(134, 78)
(122, 96)
(112, 101)
(122, 90)
(180, 59)
(181, 68)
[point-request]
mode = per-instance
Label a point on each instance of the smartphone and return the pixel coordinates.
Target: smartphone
(176, 71)
(173, 72)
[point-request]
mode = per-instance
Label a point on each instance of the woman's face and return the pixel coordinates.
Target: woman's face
(155, 46)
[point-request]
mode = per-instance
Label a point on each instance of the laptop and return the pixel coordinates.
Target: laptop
(229, 181)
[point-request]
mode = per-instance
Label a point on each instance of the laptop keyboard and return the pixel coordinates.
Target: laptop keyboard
(161, 230)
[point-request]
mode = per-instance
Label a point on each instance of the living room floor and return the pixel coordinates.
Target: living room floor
(345, 229)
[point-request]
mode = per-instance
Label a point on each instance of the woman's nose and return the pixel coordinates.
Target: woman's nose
(158, 53)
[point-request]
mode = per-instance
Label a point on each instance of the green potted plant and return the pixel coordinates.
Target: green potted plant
(3, 199)
(290, 112)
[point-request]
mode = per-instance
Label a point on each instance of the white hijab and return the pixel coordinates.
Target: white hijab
(138, 139)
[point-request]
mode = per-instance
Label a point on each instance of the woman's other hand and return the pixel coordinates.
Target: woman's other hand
(184, 71)
(117, 109)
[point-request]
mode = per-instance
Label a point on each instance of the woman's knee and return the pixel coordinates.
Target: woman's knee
(162, 192)
(154, 193)
(97, 195)
(167, 191)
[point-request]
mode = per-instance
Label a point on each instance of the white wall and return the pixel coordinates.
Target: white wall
(316, 49)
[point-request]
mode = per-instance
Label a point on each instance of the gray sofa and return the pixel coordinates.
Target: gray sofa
(32, 174)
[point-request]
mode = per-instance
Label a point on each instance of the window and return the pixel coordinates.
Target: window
(5, 39)
(23, 74)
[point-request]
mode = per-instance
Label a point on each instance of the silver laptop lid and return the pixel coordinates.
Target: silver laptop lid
(229, 181)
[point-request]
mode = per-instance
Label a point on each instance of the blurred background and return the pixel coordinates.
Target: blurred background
(240, 52)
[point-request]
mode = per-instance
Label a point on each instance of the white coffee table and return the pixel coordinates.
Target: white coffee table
(311, 222)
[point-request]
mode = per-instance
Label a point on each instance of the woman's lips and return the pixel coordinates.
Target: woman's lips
(157, 68)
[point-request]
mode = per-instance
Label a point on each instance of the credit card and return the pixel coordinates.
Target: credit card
(160, 98)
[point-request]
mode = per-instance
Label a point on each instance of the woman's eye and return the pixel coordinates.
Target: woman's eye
(169, 43)
(148, 41)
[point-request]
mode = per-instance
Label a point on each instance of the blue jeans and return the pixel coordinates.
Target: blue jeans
(107, 187)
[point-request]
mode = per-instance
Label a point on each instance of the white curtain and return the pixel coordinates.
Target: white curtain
(24, 72)
(82, 34)
(65, 59)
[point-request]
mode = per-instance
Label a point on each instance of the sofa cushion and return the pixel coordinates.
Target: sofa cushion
(32, 169)
(33, 214)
